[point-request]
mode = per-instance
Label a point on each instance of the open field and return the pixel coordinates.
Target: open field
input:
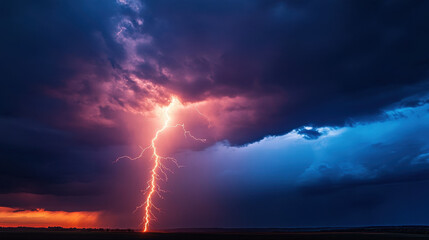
(338, 234)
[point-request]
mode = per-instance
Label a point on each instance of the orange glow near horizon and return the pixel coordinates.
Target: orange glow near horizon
(158, 171)
(13, 217)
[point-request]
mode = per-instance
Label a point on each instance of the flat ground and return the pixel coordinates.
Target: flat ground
(349, 234)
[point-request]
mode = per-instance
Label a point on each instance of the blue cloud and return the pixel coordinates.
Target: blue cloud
(356, 175)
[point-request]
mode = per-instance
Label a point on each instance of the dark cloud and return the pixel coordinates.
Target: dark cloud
(329, 61)
(414, 103)
(387, 204)
(38, 159)
(323, 63)
(42, 41)
(309, 133)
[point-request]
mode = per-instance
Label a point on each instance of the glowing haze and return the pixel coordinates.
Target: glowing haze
(282, 113)
(10, 217)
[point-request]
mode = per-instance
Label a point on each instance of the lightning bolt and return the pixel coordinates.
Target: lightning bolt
(158, 171)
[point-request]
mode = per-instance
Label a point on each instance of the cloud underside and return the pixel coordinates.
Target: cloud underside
(290, 64)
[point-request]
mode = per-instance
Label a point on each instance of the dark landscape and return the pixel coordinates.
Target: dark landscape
(402, 232)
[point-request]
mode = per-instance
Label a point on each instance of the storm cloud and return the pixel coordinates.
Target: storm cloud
(81, 82)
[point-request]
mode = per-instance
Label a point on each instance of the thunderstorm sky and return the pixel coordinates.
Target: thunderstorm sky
(315, 112)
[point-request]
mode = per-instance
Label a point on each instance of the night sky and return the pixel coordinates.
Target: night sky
(315, 113)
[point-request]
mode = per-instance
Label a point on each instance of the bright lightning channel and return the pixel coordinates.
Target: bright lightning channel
(158, 167)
